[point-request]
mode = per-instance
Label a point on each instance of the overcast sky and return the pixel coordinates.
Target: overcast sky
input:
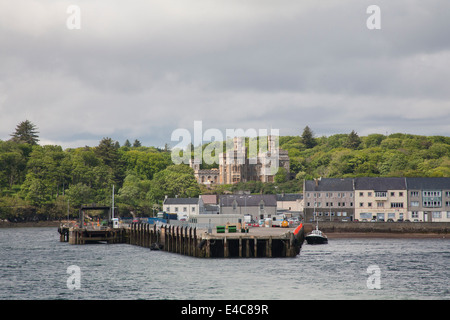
(141, 69)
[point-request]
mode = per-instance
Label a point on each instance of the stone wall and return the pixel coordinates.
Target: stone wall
(382, 227)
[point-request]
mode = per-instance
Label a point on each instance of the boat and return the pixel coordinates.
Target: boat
(316, 237)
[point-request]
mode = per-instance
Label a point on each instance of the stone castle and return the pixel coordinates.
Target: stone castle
(236, 166)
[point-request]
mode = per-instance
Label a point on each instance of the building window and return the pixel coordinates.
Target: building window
(432, 204)
(193, 209)
(167, 209)
(414, 193)
(448, 214)
(369, 194)
(361, 204)
(436, 214)
(400, 194)
(397, 205)
(380, 204)
(361, 194)
(369, 204)
(414, 203)
(392, 194)
(184, 209)
(432, 193)
(381, 194)
(365, 215)
(447, 193)
(414, 214)
(176, 209)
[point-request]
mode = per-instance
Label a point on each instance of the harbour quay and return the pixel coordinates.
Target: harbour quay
(220, 242)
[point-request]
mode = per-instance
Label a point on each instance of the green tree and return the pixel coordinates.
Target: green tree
(175, 180)
(26, 133)
(13, 161)
(108, 151)
(353, 141)
(45, 176)
(79, 194)
(127, 144)
(137, 144)
(281, 175)
(308, 138)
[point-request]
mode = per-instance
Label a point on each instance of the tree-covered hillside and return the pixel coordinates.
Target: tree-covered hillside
(348, 155)
(45, 181)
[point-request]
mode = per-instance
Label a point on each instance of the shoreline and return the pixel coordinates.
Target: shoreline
(385, 235)
(37, 224)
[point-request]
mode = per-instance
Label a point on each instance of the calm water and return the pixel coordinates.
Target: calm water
(33, 265)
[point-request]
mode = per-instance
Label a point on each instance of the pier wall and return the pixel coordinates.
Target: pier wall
(382, 227)
(198, 243)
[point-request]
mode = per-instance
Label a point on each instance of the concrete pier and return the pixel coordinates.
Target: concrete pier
(257, 243)
(76, 235)
(252, 243)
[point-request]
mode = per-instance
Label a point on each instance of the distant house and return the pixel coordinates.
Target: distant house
(328, 199)
(211, 203)
(258, 206)
(380, 199)
(183, 207)
(428, 199)
(290, 202)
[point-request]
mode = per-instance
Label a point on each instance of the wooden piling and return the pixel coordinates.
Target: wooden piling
(187, 241)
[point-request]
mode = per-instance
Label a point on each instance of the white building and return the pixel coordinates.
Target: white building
(183, 207)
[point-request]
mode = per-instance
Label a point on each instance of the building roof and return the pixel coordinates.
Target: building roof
(380, 183)
(329, 184)
(209, 198)
(428, 183)
(289, 196)
(181, 201)
(250, 200)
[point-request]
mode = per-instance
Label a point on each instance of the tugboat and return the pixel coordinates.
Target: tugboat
(316, 237)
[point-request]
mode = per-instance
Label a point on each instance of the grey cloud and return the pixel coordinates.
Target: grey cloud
(145, 68)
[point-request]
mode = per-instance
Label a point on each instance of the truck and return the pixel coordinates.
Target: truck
(167, 216)
(279, 221)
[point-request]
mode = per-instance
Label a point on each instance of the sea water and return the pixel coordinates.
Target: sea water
(34, 265)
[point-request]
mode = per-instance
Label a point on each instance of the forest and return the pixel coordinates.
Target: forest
(47, 182)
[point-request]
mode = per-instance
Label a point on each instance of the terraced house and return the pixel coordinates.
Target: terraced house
(378, 199)
(429, 199)
(330, 199)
